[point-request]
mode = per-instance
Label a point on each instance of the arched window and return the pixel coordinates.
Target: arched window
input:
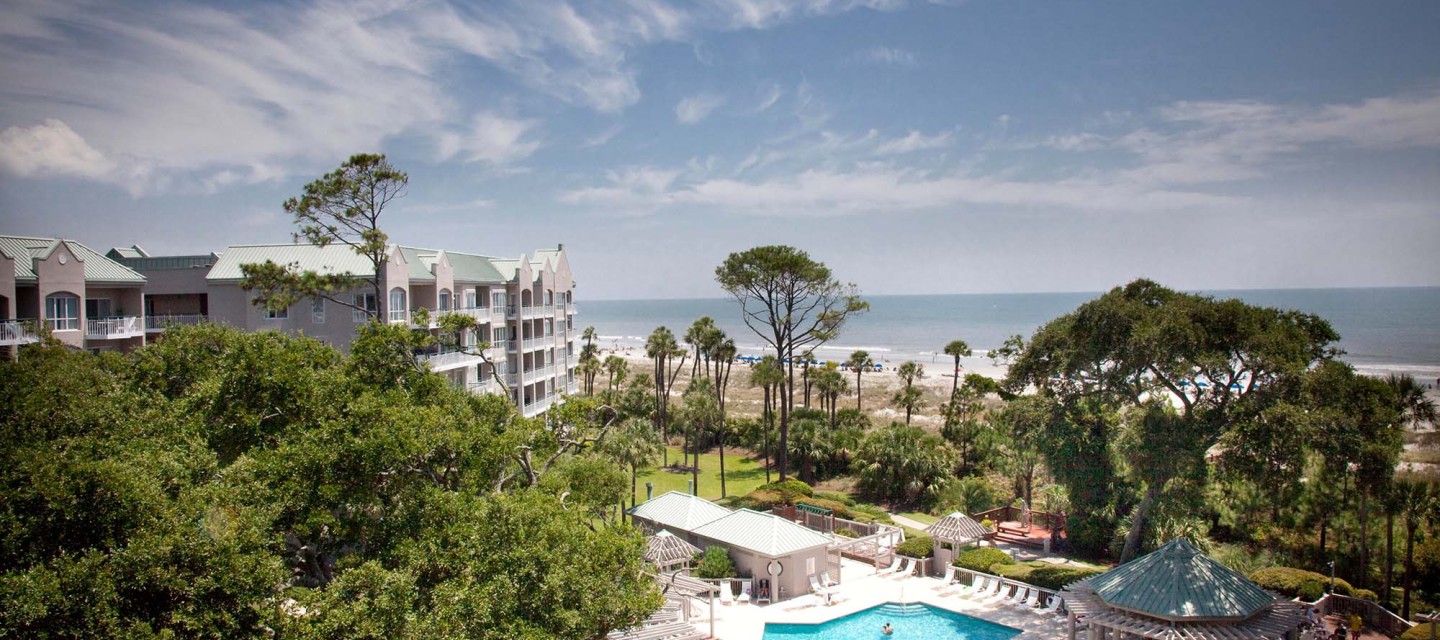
(444, 299)
(62, 311)
(397, 305)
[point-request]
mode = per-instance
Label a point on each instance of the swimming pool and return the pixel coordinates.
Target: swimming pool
(911, 622)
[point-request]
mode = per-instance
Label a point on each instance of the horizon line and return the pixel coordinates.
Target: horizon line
(1037, 293)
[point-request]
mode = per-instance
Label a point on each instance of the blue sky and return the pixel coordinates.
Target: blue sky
(914, 147)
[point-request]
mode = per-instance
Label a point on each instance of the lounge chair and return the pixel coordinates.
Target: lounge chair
(998, 593)
(1056, 605)
(904, 566)
(727, 597)
(815, 586)
(894, 564)
(1032, 601)
(744, 597)
(978, 585)
(1018, 598)
(949, 576)
(825, 580)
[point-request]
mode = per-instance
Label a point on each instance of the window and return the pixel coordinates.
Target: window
(549, 298)
(549, 328)
(397, 305)
(470, 299)
(364, 301)
(500, 334)
(96, 308)
(445, 299)
(497, 299)
(272, 314)
(62, 312)
(317, 311)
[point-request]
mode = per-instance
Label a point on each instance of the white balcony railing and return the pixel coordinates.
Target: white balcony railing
(159, 323)
(113, 328)
(532, 344)
(500, 346)
(14, 332)
(572, 387)
(448, 360)
(510, 312)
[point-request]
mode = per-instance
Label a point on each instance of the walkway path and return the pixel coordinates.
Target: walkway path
(907, 522)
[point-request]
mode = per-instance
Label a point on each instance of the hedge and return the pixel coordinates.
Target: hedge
(917, 547)
(715, 563)
(1420, 631)
(838, 496)
(1290, 581)
(982, 559)
(789, 489)
(846, 533)
(1044, 574)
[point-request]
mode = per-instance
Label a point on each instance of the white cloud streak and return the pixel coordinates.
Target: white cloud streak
(882, 55)
(696, 108)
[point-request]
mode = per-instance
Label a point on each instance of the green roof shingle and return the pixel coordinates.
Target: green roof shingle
(1177, 582)
(98, 268)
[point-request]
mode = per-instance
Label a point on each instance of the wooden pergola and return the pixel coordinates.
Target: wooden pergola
(665, 550)
(1088, 614)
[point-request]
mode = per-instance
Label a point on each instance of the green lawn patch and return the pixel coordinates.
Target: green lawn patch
(742, 476)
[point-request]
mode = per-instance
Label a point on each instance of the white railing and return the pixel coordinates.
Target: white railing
(17, 332)
(113, 328)
(448, 360)
(159, 323)
(500, 345)
(511, 380)
(479, 313)
(572, 387)
(538, 406)
(539, 343)
(397, 316)
(510, 312)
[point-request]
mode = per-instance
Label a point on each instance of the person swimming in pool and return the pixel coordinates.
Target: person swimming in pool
(887, 629)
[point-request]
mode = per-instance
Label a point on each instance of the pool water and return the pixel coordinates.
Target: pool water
(911, 622)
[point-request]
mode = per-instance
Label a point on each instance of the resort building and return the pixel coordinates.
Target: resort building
(762, 545)
(524, 307)
(84, 299)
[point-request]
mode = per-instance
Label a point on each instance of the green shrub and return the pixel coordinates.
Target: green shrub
(1310, 591)
(789, 489)
(1365, 594)
(846, 533)
(916, 547)
(988, 524)
(715, 563)
(1019, 571)
(1289, 580)
(1422, 631)
(759, 500)
(839, 509)
(837, 496)
(982, 559)
(863, 512)
(1049, 576)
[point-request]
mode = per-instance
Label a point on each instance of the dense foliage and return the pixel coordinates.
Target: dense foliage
(916, 547)
(714, 563)
(1044, 574)
(222, 484)
(982, 559)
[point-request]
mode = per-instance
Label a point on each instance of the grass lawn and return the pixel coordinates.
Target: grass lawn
(919, 516)
(741, 476)
(1427, 456)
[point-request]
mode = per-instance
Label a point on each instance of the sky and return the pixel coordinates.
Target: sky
(913, 147)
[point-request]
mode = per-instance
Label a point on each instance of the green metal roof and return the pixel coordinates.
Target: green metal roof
(421, 261)
(764, 533)
(330, 259)
(166, 263)
(469, 267)
(679, 510)
(1179, 583)
(98, 268)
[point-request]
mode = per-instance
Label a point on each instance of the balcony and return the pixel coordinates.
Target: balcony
(545, 342)
(13, 332)
(537, 407)
(157, 324)
(510, 312)
(481, 314)
(448, 359)
(497, 315)
(114, 328)
(539, 373)
(572, 387)
(500, 347)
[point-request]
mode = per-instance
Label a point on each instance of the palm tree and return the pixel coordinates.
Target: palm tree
(588, 368)
(959, 349)
(662, 348)
(1415, 406)
(858, 362)
(1418, 502)
(588, 335)
(724, 354)
(701, 413)
(695, 337)
(910, 398)
(616, 368)
(768, 375)
(830, 384)
(805, 373)
(633, 445)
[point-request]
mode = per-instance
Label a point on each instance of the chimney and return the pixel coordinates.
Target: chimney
(649, 491)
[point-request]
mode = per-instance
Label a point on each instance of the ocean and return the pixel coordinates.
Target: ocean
(1383, 330)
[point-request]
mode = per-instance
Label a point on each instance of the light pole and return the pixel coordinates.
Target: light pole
(1332, 576)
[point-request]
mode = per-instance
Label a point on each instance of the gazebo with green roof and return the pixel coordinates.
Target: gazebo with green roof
(1178, 593)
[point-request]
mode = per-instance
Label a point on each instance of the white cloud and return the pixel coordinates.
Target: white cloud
(696, 108)
(771, 97)
(603, 137)
(492, 138)
(51, 148)
(883, 55)
(914, 141)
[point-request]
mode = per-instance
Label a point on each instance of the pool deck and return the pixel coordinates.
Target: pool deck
(860, 590)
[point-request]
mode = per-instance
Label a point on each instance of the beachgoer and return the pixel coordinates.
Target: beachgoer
(1356, 625)
(887, 629)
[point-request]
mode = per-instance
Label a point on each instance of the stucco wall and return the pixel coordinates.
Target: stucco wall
(62, 272)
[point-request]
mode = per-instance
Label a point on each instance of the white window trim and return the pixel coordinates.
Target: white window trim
(54, 320)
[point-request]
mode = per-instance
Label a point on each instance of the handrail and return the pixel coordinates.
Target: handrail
(1372, 613)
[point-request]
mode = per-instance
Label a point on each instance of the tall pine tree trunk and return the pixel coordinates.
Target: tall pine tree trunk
(765, 428)
(1142, 517)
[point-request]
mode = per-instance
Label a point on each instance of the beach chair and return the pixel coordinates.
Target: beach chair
(815, 587)
(1030, 602)
(1018, 598)
(978, 585)
(894, 564)
(825, 580)
(727, 597)
(744, 597)
(904, 567)
(949, 577)
(1054, 606)
(998, 594)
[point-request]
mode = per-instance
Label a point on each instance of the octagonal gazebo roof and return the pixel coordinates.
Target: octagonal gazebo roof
(665, 549)
(1178, 583)
(956, 527)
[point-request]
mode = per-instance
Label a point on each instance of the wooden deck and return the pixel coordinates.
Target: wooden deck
(1015, 532)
